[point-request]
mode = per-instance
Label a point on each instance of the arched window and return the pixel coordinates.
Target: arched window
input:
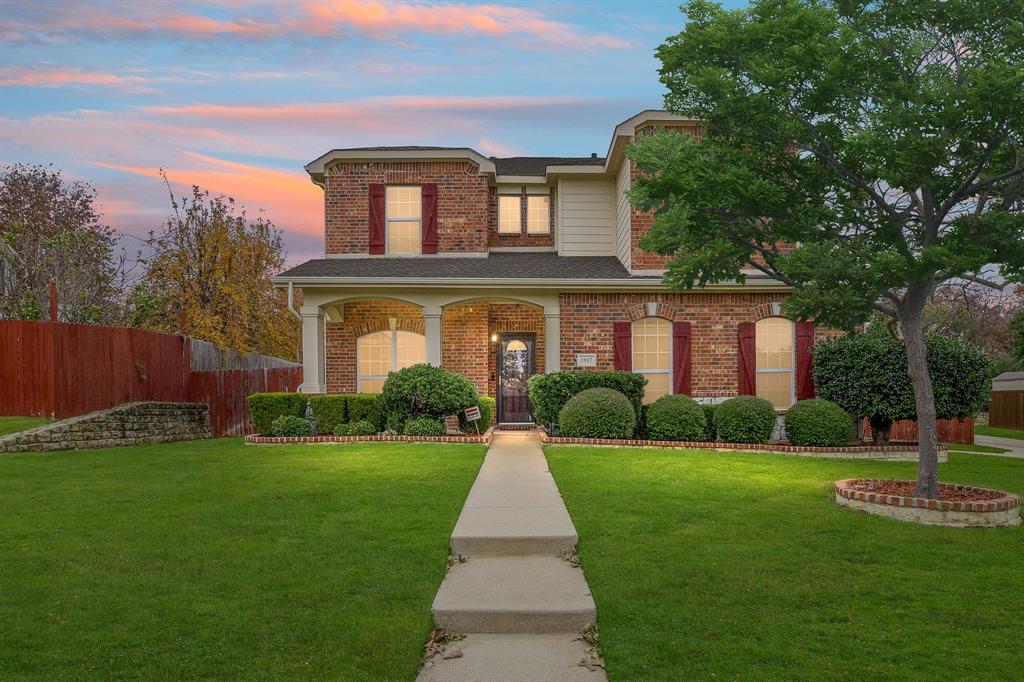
(388, 351)
(652, 355)
(775, 361)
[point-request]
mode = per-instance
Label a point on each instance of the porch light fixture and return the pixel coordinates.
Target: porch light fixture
(494, 338)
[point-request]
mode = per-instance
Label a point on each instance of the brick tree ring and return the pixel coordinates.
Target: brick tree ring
(959, 506)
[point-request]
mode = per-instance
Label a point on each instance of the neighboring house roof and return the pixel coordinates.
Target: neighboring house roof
(537, 165)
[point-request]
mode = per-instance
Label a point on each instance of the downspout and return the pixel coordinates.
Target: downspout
(291, 301)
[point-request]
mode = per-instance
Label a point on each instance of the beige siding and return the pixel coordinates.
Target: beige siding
(586, 217)
(622, 226)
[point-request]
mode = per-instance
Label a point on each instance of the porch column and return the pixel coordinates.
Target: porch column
(313, 369)
(432, 331)
(552, 339)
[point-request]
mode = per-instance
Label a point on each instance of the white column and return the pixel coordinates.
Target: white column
(432, 331)
(313, 370)
(552, 339)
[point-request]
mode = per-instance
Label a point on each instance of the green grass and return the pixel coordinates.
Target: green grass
(963, 447)
(15, 424)
(740, 566)
(998, 433)
(216, 560)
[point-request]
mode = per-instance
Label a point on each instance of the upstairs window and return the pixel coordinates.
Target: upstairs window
(388, 351)
(652, 355)
(403, 217)
(538, 214)
(510, 219)
(775, 361)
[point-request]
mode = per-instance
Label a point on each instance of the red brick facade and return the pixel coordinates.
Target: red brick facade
(359, 318)
(462, 205)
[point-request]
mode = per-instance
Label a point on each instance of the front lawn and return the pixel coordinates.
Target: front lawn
(740, 566)
(998, 433)
(15, 424)
(216, 560)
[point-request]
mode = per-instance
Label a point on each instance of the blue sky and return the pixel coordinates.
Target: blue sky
(236, 96)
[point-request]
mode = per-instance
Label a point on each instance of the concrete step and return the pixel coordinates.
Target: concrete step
(528, 594)
(513, 658)
(510, 531)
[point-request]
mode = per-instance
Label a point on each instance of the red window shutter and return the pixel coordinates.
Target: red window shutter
(376, 218)
(804, 361)
(748, 358)
(682, 374)
(622, 356)
(429, 199)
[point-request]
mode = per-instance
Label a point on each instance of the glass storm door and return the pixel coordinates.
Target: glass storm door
(516, 364)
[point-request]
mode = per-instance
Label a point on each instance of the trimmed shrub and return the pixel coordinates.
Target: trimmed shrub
(424, 391)
(357, 428)
(365, 407)
(710, 434)
(745, 419)
(598, 413)
(487, 407)
(264, 408)
(329, 411)
(423, 426)
(675, 417)
(550, 392)
(818, 423)
(290, 425)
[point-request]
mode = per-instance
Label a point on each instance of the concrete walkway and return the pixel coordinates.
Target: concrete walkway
(520, 604)
(1015, 447)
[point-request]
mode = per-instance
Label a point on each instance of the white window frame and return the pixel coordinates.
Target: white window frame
(671, 354)
(519, 212)
(394, 355)
(388, 220)
(547, 214)
(779, 370)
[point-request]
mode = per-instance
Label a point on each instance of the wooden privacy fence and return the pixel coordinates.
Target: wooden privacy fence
(1006, 409)
(63, 370)
(949, 430)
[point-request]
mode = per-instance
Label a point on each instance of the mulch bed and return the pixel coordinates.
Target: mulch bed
(947, 492)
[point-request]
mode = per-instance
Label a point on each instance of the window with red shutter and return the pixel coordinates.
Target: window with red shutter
(376, 219)
(682, 373)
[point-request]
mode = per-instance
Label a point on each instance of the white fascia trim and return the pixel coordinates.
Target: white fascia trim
(317, 167)
(566, 284)
(449, 254)
(520, 180)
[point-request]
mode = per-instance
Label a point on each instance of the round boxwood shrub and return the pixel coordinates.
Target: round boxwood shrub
(423, 426)
(710, 435)
(424, 391)
(745, 420)
(362, 427)
(290, 425)
(597, 413)
(675, 417)
(818, 423)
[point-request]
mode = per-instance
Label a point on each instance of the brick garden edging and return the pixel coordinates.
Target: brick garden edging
(1002, 511)
(484, 437)
(903, 452)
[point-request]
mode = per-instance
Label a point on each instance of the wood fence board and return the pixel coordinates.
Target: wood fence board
(1006, 410)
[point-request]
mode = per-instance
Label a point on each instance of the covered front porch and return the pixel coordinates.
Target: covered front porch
(352, 337)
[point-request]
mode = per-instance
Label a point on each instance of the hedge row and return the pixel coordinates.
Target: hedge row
(550, 392)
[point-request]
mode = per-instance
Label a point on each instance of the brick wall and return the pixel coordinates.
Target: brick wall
(129, 424)
(359, 318)
(587, 328)
(523, 239)
(462, 202)
(465, 342)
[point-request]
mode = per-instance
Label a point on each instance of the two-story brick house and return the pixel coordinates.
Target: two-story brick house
(497, 268)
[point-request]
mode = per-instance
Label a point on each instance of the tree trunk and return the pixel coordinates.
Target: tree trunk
(911, 323)
(881, 430)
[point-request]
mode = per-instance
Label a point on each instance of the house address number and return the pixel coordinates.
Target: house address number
(586, 359)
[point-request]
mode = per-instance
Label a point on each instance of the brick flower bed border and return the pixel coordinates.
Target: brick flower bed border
(484, 437)
(898, 452)
(1003, 511)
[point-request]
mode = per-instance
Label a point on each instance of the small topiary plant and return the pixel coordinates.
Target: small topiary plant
(550, 392)
(356, 428)
(675, 417)
(745, 419)
(290, 425)
(424, 391)
(818, 423)
(597, 413)
(423, 426)
(710, 434)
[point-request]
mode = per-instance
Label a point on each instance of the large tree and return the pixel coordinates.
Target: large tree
(208, 276)
(50, 229)
(863, 153)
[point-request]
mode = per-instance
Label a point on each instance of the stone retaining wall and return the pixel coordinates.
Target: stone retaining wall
(128, 424)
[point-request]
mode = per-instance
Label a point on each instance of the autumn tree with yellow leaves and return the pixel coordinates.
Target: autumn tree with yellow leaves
(208, 276)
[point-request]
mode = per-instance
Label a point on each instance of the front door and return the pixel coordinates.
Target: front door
(516, 364)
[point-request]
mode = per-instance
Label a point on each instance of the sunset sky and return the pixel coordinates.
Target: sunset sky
(237, 96)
